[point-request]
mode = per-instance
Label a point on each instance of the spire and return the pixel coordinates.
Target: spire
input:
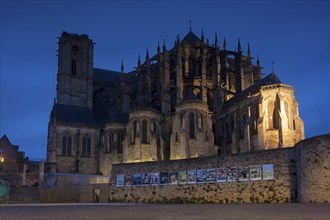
(122, 66)
(178, 39)
(239, 49)
(258, 61)
(224, 44)
(273, 68)
(189, 25)
(216, 40)
(139, 61)
(147, 56)
(158, 48)
(249, 51)
(164, 46)
(202, 38)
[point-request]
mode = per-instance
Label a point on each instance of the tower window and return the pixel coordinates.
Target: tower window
(73, 67)
(144, 131)
(120, 144)
(86, 146)
(191, 125)
(66, 146)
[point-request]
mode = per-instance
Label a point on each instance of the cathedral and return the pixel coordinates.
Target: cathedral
(196, 99)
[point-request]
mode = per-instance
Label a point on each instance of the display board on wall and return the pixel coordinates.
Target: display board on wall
(210, 175)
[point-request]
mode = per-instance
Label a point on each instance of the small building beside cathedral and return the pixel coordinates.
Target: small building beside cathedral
(196, 99)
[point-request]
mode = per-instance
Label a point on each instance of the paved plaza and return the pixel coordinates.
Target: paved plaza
(120, 211)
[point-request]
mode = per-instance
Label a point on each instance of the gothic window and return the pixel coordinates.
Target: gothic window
(119, 143)
(144, 131)
(191, 125)
(272, 116)
(133, 132)
(111, 142)
(86, 146)
(66, 145)
(176, 137)
(73, 67)
(244, 125)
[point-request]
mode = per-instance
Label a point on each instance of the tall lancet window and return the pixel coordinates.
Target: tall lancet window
(86, 146)
(191, 125)
(66, 145)
(73, 67)
(144, 131)
(272, 115)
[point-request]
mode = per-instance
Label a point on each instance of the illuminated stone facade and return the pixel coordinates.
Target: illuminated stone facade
(193, 100)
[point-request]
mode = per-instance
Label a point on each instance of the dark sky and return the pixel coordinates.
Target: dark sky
(293, 34)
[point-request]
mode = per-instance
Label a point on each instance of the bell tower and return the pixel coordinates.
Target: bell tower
(75, 70)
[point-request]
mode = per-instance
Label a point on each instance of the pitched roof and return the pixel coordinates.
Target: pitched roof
(268, 80)
(191, 38)
(73, 114)
(105, 75)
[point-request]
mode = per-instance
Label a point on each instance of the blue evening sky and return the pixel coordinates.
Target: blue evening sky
(293, 34)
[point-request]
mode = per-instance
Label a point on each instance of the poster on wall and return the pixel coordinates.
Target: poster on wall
(267, 171)
(154, 178)
(255, 172)
(221, 175)
(120, 180)
(244, 173)
(146, 179)
(128, 180)
(137, 179)
(173, 178)
(232, 174)
(201, 176)
(211, 176)
(191, 176)
(182, 176)
(163, 178)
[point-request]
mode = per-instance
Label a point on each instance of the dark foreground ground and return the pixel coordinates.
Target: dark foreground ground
(166, 212)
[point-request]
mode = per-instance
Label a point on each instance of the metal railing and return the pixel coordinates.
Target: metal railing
(4, 188)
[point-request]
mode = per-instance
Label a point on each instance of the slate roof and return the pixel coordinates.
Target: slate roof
(268, 80)
(191, 38)
(105, 75)
(73, 114)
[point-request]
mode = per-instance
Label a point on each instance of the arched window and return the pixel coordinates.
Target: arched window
(144, 131)
(66, 145)
(64, 141)
(119, 143)
(272, 116)
(86, 146)
(191, 125)
(73, 67)
(133, 132)
(111, 141)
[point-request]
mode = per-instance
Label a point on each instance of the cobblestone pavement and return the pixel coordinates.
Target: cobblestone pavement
(120, 211)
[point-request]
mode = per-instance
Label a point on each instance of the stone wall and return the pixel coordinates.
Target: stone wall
(281, 189)
(313, 169)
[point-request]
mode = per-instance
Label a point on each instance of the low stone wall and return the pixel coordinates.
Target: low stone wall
(280, 189)
(313, 169)
(74, 188)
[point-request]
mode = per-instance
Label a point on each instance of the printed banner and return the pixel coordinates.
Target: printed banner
(232, 174)
(191, 176)
(128, 180)
(182, 177)
(146, 179)
(267, 171)
(244, 173)
(137, 179)
(154, 178)
(120, 180)
(255, 172)
(163, 178)
(211, 175)
(201, 176)
(221, 175)
(173, 178)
